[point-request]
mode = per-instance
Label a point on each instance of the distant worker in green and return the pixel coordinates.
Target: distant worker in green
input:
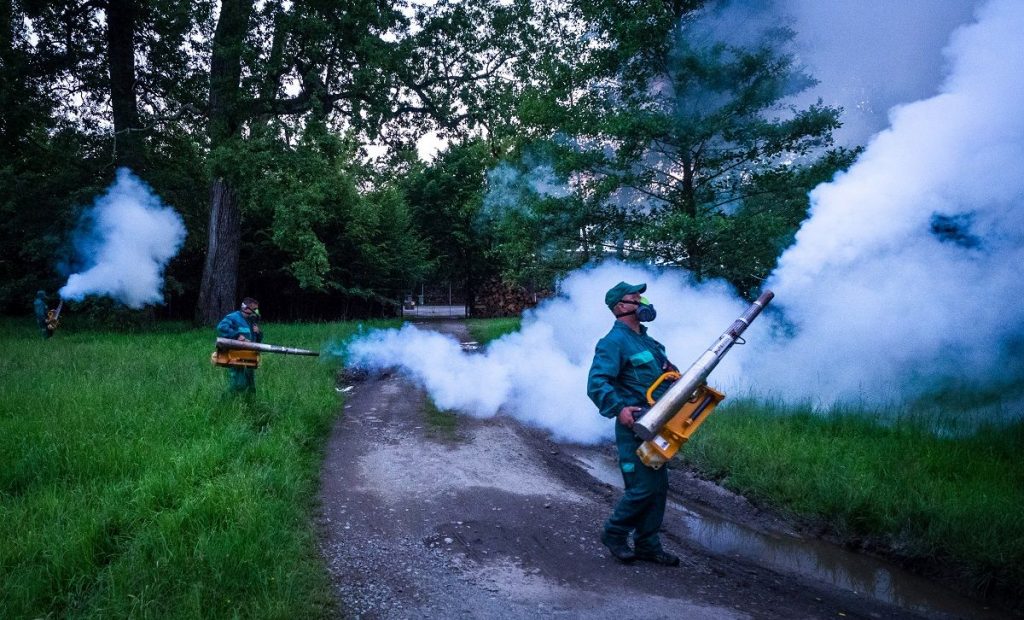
(626, 362)
(39, 305)
(243, 324)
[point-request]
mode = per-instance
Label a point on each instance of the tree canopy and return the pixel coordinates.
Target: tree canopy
(680, 148)
(286, 135)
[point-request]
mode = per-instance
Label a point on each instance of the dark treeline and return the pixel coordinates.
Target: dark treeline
(286, 135)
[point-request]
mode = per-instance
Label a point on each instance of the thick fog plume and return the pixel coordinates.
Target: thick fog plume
(870, 55)
(867, 56)
(125, 241)
(909, 271)
(511, 188)
(539, 374)
(905, 279)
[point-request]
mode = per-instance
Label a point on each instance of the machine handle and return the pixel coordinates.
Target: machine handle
(673, 375)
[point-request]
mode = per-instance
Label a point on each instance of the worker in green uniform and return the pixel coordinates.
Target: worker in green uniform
(626, 362)
(39, 305)
(242, 324)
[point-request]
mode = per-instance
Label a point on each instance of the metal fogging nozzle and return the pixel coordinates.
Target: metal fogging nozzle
(683, 389)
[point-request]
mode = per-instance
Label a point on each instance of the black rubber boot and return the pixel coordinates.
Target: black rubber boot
(619, 548)
(663, 558)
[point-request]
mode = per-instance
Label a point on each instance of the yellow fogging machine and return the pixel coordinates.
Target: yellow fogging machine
(245, 354)
(53, 317)
(676, 416)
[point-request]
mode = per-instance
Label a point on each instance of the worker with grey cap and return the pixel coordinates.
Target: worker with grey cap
(626, 362)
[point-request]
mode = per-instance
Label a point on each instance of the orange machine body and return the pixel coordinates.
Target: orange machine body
(680, 427)
(236, 358)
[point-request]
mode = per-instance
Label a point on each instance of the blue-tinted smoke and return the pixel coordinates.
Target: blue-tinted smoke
(124, 243)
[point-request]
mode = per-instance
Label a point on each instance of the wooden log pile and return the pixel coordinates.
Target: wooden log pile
(499, 299)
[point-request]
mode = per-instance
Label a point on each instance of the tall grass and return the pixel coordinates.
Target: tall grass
(131, 484)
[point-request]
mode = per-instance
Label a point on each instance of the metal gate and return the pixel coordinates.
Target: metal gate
(435, 300)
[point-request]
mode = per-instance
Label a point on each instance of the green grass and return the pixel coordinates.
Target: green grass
(486, 330)
(132, 486)
(440, 423)
(866, 476)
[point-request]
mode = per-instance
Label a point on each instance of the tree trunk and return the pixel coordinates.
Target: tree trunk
(220, 271)
(16, 97)
(8, 78)
(694, 260)
(128, 143)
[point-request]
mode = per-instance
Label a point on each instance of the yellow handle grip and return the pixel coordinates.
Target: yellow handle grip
(673, 375)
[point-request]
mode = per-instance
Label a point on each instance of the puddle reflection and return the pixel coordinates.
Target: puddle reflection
(813, 558)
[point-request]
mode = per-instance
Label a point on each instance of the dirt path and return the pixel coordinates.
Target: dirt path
(425, 516)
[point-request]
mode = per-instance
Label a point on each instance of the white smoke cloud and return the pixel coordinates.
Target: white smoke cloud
(867, 56)
(539, 374)
(871, 55)
(511, 189)
(128, 237)
(908, 271)
(906, 275)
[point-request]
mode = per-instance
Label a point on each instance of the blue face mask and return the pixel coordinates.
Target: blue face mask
(645, 312)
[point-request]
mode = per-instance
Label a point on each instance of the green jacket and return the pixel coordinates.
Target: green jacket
(39, 305)
(625, 365)
(235, 325)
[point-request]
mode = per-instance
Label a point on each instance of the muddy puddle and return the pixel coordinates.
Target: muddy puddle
(811, 558)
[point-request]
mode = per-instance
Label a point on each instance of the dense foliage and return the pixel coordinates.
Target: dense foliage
(286, 135)
(675, 146)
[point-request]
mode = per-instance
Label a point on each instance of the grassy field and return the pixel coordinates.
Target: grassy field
(950, 500)
(486, 330)
(132, 486)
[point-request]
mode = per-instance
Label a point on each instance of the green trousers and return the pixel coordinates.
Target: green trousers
(642, 506)
(241, 380)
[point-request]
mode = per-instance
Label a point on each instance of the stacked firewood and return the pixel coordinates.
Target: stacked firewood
(497, 298)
